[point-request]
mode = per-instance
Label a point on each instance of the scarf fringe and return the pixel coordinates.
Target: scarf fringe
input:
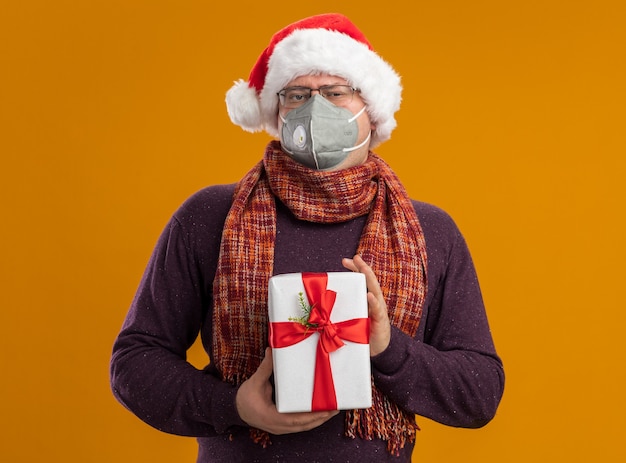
(385, 421)
(260, 437)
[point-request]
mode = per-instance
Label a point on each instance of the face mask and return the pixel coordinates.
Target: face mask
(319, 134)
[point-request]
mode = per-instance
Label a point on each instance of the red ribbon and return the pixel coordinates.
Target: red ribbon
(285, 334)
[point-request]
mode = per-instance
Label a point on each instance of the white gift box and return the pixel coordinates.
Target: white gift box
(294, 365)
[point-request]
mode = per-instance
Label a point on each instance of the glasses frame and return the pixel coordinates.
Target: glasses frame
(281, 95)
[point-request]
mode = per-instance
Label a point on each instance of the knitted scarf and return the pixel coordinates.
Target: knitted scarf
(392, 243)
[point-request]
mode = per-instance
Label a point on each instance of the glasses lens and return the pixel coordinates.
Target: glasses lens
(337, 94)
(293, 97)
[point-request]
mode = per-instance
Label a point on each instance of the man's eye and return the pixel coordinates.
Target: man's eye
(335, 93)
(296, 96)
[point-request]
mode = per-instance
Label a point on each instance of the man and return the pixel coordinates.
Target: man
(318, 196)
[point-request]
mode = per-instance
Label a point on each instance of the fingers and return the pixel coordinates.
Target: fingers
(349, 264)
(255, 406)
(286, 423)
(357, 264)
(266, 367)
(380, 326)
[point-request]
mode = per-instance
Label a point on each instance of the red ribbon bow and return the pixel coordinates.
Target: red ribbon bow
(285, 334)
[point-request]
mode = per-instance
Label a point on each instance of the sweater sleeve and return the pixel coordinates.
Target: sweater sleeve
(149, 372)
(449, 371)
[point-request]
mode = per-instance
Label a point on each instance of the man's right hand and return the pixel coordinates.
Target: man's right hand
(256, 408)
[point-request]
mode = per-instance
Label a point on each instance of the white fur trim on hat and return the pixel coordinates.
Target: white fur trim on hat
(243, 107)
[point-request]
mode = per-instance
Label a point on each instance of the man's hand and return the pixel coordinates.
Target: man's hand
(380, 326)
(255, 406)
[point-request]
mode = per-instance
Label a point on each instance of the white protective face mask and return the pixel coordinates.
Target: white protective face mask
(319, 134)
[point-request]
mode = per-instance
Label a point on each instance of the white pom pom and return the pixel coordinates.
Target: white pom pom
(243, 108)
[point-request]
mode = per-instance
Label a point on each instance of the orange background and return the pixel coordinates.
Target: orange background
(112, 113)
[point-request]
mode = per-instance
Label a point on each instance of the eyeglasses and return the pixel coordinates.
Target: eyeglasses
(294, 97)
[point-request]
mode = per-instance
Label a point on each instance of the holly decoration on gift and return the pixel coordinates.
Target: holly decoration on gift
(306, 310)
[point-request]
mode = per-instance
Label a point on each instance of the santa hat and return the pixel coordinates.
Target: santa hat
(323, 44)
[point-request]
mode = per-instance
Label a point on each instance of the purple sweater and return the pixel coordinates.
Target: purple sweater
(449, 372)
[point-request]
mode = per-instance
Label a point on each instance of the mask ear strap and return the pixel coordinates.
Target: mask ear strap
(357, 114)
(347, 150)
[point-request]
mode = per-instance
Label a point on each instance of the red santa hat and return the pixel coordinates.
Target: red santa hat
(323, 44)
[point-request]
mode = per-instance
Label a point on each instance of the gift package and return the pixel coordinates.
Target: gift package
(319, 334)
